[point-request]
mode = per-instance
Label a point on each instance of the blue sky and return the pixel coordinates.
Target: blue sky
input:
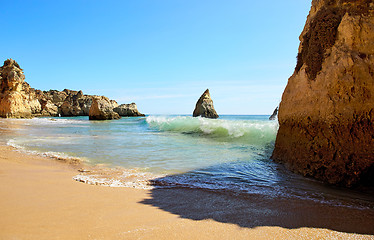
(161, 54)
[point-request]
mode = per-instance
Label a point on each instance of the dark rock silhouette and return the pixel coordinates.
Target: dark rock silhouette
(274, 115)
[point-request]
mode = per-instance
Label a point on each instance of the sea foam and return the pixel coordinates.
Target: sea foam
(248, 131)
(55, 155)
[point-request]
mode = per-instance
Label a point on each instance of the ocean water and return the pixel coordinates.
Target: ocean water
(231, 153)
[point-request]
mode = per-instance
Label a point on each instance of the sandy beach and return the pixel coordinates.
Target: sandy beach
(39, 200)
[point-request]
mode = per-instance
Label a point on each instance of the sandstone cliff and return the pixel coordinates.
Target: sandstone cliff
(128, 110)
(17, 99)
(102, 109)
(64, 103)
(326, 116)
(204, 106)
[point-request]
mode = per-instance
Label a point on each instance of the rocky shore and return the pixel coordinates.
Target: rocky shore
(19, 100)
(326, 116)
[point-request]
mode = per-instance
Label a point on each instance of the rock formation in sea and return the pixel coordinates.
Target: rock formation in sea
(68, 103)
(128, 110)
(326, 116)
(274, 115)
(204, 106)
(102, 109)
(17, 99)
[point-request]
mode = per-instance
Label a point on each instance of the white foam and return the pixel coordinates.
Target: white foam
(95, 180)
(46, 121)
(55, 155)
(250, 131)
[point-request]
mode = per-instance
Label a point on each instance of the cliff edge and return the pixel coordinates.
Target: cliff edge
(326, 116)
(17, 99)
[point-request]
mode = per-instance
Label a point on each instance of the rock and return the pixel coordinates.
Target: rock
(204, 106)
(326, 116)
(128, 110)
(102, 109)
(274, 115)
(69, 103)
(17, 99)
(48, 108)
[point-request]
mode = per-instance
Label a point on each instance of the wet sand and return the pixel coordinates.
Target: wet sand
(39, 200)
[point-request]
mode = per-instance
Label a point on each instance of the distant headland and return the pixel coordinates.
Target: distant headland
(19, 100)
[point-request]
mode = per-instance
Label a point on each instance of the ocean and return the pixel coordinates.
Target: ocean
(229, 154)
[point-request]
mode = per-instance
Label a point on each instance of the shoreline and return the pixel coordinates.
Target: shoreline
(40, 200)
(97, 174)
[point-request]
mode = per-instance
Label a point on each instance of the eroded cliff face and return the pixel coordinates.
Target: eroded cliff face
(102, 109)
(64, 103)
(128, 110)
(326, 116)
(17, 99)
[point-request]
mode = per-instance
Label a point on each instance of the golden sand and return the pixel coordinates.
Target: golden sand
(39, 200)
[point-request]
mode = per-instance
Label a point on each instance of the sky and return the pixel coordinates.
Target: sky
(160, 54)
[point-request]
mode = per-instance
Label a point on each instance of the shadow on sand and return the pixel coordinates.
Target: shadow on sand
(251, 211)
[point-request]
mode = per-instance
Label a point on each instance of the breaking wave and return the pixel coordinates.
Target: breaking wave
(248, 131)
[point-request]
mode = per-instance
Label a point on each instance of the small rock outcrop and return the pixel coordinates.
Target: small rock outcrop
(128, 110)
(274, 115)
(204, 106)
(102, 109)
(326, 116)
(17, 99)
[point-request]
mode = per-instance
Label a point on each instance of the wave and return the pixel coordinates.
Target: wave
(55, 155)
(248, 131)
(44, 121)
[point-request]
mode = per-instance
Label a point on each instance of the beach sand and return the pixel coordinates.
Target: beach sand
(40, 200)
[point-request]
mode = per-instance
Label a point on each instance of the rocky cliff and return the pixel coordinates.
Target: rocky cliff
(204, 106)
(64, 103)
(102, 109)
(17, 99)
(128, 110)
(326, 116)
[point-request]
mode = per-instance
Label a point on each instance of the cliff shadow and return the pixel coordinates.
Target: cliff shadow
(253, 210)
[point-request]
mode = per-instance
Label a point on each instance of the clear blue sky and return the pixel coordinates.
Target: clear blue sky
(161, 54)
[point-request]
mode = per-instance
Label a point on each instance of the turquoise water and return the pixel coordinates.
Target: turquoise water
(231, 153)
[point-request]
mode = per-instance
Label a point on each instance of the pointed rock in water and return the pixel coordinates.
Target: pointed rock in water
(128, 110)
(17, 99)
(274, 115)
(326, 116)
(102, 109)
(204, 106)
